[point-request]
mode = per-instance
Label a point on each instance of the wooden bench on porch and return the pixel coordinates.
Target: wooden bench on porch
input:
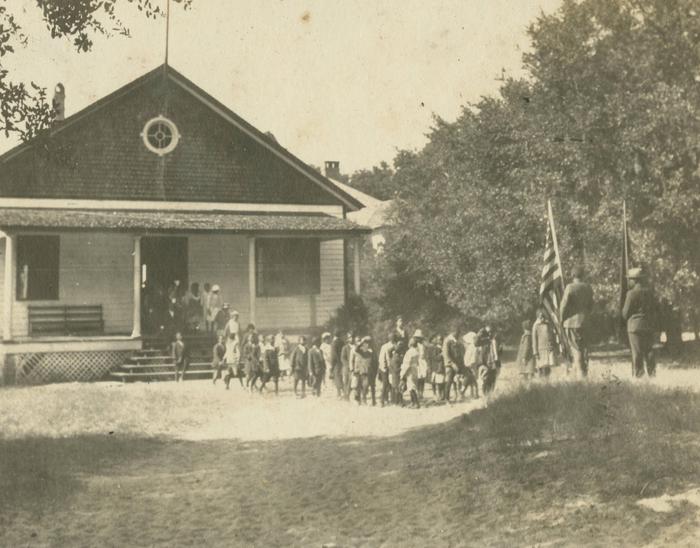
(65, 320)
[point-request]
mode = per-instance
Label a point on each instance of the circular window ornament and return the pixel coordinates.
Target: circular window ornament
(160, 135)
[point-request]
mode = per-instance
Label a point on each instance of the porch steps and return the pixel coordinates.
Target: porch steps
(153, 363)
(160, 371)
(149, 376)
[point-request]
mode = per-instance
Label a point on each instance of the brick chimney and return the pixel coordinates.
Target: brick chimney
(59, 102)
(332, 169)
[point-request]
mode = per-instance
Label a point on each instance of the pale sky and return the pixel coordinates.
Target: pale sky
(347, 80)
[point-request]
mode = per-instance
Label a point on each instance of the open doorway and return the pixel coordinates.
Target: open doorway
(163, 277)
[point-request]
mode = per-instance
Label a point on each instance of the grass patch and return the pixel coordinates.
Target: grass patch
(562, 464)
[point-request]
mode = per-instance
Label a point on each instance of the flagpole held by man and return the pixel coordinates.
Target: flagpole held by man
(625, 261)
(576, 307)
(552, 285)
(640, 312)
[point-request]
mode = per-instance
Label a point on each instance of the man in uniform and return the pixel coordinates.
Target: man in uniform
(640, 312)
(576, 306)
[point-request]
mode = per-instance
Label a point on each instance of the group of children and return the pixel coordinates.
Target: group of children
(402, 366)
(187, 310)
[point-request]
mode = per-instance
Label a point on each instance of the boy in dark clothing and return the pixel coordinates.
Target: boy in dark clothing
(317, 367)
(271, 366)
(217, 359)
(300, 367)
(181, 357)
(251, 351)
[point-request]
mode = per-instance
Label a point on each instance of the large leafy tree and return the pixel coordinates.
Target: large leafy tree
(24, 109)
(609, 111)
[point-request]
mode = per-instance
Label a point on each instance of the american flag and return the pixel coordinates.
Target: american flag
(552, 284)
(625, 261)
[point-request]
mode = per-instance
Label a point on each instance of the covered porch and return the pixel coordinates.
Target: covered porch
(76, 281)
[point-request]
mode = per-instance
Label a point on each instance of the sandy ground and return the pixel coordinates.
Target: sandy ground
(198, 410)
(168, 464)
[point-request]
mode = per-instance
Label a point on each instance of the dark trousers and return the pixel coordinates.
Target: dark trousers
(217, 367)
(579, 349)
(299, 379)
(267, 377)
(317, 382)
(386, 387)
(449, 379)
(642, 346)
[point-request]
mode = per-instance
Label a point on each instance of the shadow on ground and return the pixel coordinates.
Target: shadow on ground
(559, 464)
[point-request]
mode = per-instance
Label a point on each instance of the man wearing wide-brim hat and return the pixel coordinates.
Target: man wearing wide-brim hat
(641, 314)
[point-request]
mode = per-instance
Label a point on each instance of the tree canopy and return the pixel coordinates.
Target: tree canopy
(24, 109)
(609, 111)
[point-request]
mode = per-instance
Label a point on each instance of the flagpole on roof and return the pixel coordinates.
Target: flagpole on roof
(554, 239)
(167, 30)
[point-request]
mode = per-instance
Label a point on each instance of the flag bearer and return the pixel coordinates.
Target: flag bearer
(641, 314)
(576, 306)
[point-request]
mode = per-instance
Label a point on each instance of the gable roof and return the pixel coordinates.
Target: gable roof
(365, 199)
(98, 153)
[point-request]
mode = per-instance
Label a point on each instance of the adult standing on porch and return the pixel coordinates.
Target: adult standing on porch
(215, 304)
(576, 306)
(206, 293)
(641, 314)
(194, 310)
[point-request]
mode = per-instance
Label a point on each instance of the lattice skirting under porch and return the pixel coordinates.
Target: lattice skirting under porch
(91, 365)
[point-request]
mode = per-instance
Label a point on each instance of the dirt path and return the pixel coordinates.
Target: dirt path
(197, 410)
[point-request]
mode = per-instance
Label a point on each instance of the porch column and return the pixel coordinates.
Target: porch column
(252, 289)
(8, 293)
(136, 333)
(356, 265)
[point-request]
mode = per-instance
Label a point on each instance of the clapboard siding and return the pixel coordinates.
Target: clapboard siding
(94, 268)
(97, 268)
(298, 311)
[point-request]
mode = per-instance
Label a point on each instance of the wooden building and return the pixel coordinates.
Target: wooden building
(155, 182)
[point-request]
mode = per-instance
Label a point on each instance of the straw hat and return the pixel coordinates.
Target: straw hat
(418, 334)
(215, 287)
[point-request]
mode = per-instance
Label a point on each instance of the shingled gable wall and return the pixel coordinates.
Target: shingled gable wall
(99, 154)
